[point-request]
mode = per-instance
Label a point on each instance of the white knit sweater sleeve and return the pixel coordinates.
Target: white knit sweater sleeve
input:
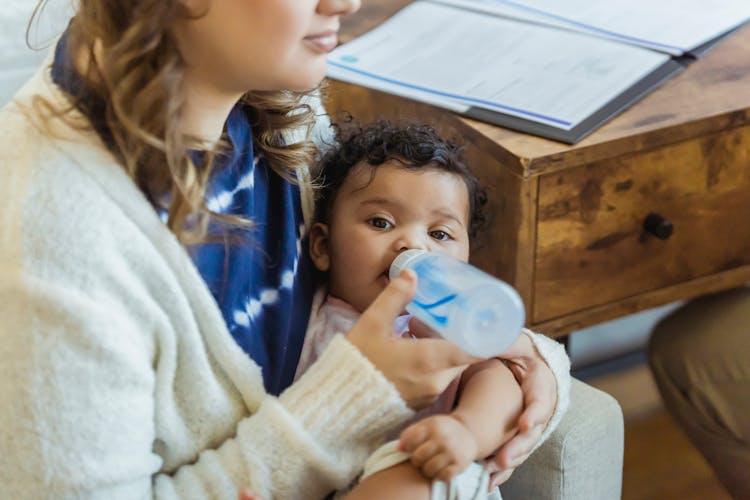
(87, 411)
(557, 359)
(311, 440)
(118, 377)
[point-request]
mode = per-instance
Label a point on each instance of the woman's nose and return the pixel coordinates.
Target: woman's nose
(338, 7)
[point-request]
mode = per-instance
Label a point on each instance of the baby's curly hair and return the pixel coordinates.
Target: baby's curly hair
(415, 146)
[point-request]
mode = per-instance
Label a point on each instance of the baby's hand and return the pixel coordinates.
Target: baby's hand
(441, 446)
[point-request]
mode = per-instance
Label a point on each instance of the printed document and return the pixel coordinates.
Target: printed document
(458, 58)
(672, 26)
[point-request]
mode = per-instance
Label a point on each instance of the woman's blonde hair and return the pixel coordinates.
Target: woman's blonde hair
(137, 75)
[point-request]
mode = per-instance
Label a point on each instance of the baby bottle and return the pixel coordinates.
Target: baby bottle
(474, 310)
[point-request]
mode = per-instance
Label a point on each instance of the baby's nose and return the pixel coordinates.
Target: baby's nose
(411, 242)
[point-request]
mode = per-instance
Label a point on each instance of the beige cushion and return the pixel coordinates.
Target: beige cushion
(582, 459)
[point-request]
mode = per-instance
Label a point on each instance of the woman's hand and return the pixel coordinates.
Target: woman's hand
(245, 494)
(539, 389)
(420, 369)
(540, 398)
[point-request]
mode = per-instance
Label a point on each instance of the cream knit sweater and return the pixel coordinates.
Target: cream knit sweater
(118, 378)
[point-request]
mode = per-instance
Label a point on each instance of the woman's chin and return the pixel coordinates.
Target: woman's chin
(305, 81)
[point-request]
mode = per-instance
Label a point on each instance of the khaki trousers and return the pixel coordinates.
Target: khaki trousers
(700, 357)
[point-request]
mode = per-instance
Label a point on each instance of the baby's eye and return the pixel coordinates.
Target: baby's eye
(440, 235)
(380, 223)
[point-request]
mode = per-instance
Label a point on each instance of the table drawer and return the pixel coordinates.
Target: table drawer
(591, 246)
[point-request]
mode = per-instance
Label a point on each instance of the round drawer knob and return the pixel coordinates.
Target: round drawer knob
(658, 226)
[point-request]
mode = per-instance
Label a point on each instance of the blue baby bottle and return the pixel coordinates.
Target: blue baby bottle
(472, 309)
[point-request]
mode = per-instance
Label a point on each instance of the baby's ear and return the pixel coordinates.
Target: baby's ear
(319, 248)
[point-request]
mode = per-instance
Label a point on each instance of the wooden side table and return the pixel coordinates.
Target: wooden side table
(582, 231)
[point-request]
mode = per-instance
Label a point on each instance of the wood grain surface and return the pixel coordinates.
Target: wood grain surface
(592, 248)
(711, 94)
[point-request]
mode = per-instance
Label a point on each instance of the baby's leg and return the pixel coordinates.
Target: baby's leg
(400, 482)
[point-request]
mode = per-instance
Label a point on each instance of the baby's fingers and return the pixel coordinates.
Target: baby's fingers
(439, 466)
(413, 437)
(426, 452)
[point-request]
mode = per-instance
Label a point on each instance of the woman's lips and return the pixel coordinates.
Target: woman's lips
(322, 42)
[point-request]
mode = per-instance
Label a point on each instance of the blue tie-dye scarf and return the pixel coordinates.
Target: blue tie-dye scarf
(263, 281)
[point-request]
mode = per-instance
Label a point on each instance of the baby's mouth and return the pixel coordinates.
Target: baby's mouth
(386, 276)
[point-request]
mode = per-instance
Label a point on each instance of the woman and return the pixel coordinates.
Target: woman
(143, 186)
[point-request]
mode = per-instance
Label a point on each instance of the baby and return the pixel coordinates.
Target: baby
(386, 189)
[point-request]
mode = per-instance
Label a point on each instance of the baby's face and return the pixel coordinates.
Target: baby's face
(376, 217)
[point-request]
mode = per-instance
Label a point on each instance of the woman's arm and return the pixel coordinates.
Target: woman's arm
(486, 416)
(94, 405)
(542, 368)
(102, 396)
(119, 380)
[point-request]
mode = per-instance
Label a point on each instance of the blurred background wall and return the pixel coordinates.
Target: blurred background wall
(17, 60)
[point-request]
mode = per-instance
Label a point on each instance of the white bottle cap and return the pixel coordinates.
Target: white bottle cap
(402, 260)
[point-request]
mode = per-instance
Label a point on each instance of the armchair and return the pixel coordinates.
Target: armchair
(582, 459)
